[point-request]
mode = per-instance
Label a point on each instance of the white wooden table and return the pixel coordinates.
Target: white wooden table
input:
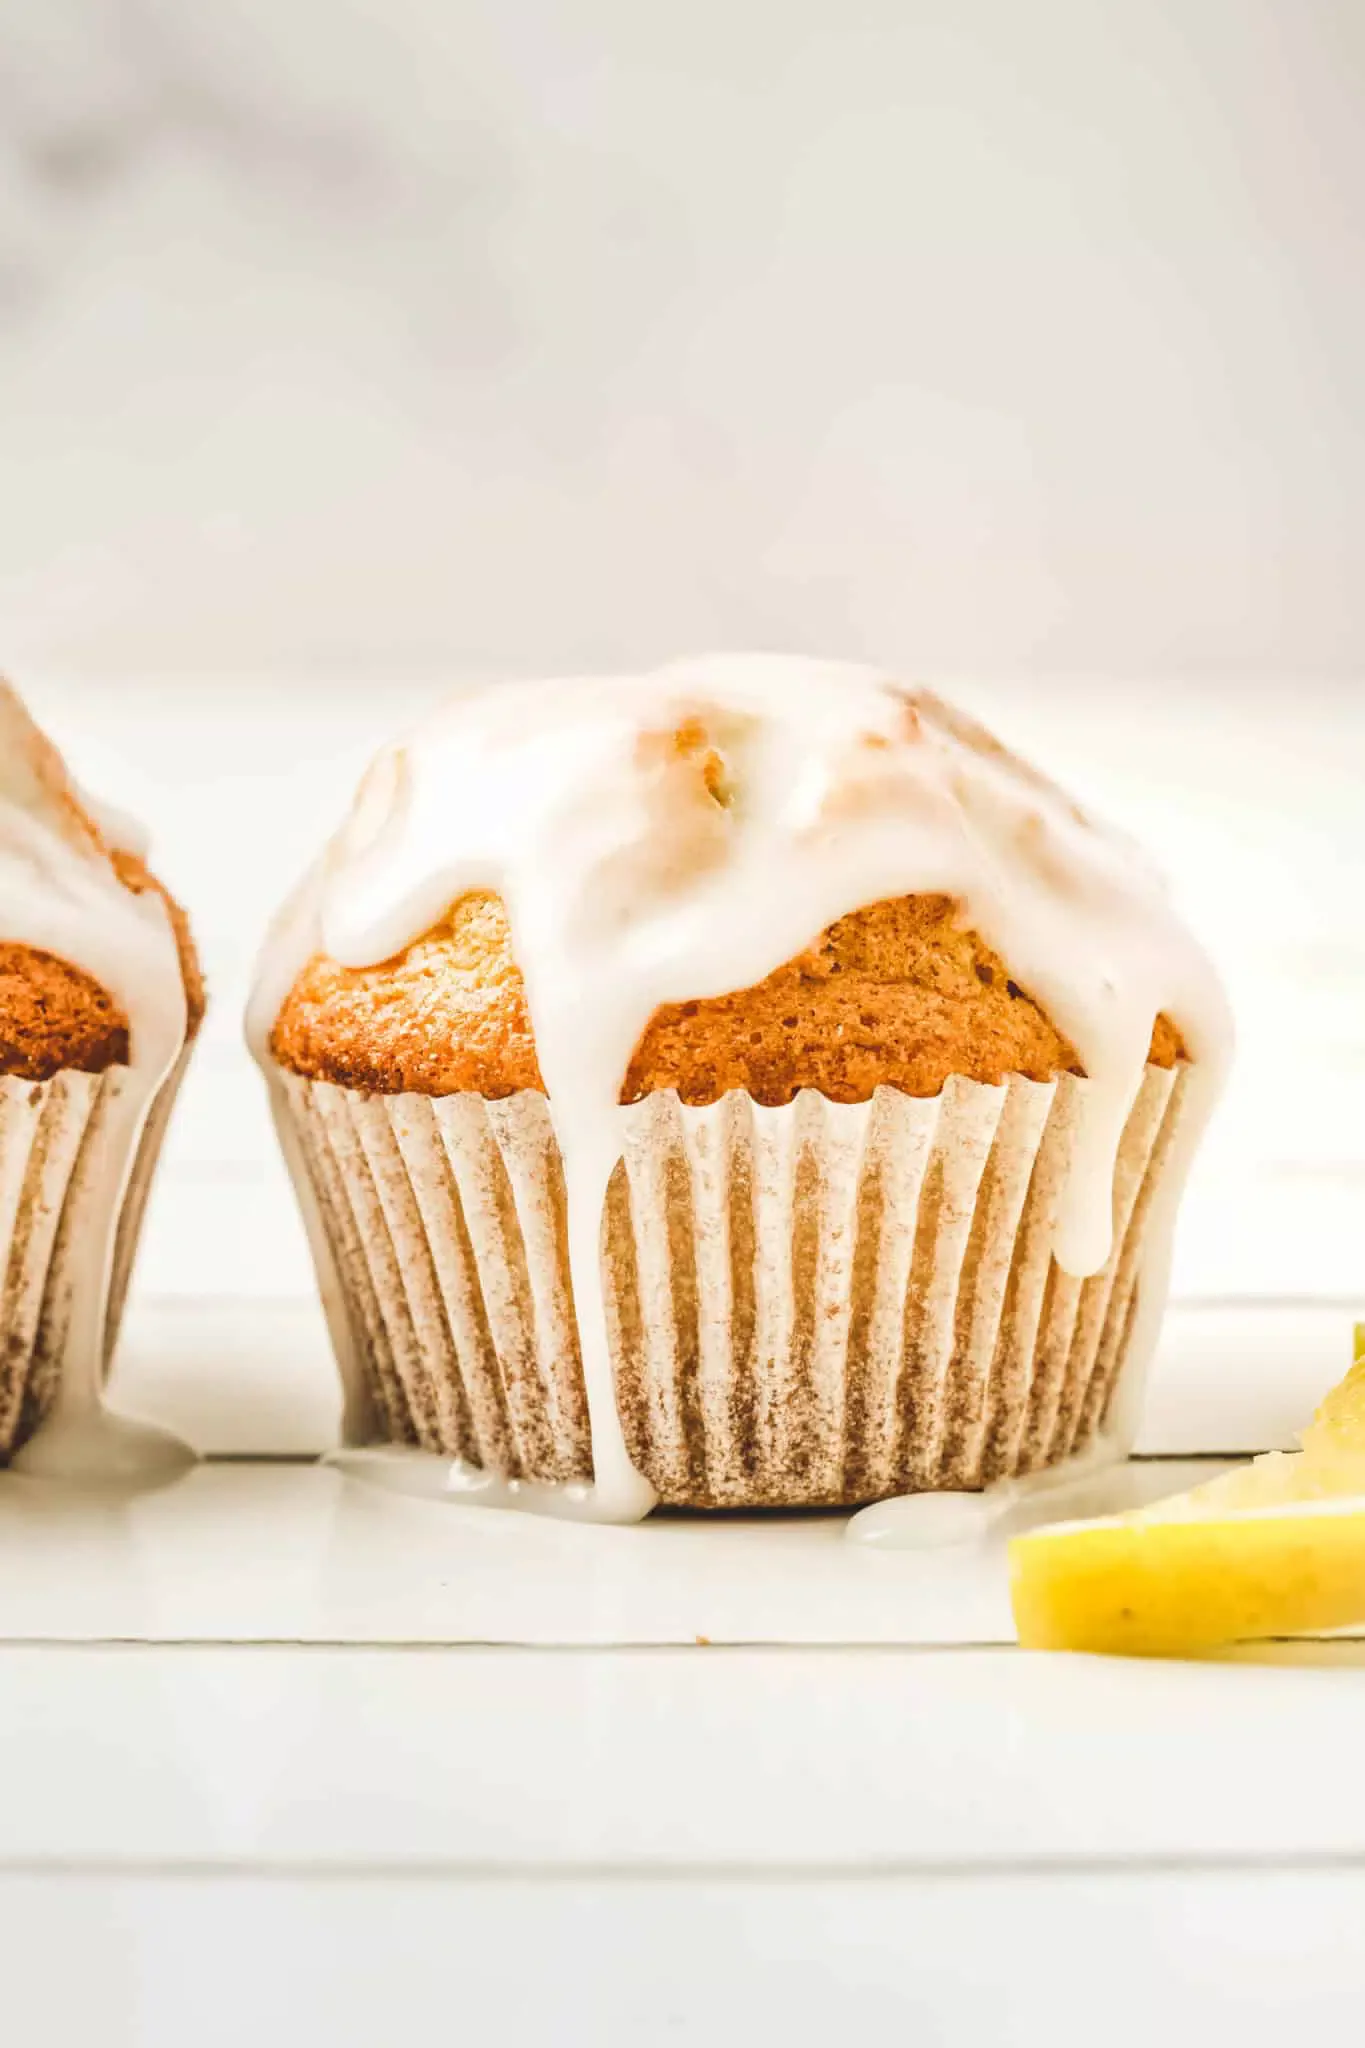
(295, 1758)
(289, 1760)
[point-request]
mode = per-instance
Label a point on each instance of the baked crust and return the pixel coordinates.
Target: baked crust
(54, 1016)
(899, 994)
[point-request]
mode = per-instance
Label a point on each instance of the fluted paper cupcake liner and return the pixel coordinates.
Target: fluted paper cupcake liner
(57, 1166)
(814, 1305)
(134, 1212)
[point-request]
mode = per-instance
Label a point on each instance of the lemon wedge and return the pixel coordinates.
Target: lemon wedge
(1274, 1548)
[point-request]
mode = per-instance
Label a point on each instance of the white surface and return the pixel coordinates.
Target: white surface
(486, 1762)
(319, 1823)
(288, 1553)
(706, 1964)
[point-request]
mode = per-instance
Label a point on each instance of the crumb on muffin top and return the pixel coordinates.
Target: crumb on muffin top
(900, 993)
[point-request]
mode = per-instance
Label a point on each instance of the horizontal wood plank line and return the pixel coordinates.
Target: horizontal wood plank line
(423, 1871)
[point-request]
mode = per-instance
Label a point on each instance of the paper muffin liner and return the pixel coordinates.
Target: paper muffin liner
(821, 1304)
(59, 1159)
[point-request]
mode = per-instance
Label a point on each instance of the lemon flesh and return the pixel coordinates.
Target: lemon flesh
(1276, 1547)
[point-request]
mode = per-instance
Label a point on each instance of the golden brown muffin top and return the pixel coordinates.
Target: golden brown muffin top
(54, 1015)
(899, 994)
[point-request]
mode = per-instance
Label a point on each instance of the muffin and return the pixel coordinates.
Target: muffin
(747, 1085)
(100, 1000)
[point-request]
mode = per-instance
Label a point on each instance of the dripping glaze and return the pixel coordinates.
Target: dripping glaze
(631, 882)
(60, 893)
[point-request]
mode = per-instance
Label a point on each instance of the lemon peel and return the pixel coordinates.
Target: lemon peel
(1276, 1547)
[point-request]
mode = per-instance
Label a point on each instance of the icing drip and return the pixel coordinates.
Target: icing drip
(59, 893)
(1093, 1482)
(678, 836)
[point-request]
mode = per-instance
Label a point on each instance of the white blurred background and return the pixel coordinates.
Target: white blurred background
(350, 351)
(966, 333)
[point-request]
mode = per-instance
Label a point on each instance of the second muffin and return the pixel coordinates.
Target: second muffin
(851, 1246)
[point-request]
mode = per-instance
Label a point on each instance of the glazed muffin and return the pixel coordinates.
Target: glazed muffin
(100, 1000)
(747, 1085)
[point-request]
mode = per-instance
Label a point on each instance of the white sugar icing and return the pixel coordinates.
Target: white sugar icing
(639, 868)
(60, 893)
(1090, 1482)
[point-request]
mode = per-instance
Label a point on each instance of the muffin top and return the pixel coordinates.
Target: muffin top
(741, 872)
(897, 995)
(97, 966)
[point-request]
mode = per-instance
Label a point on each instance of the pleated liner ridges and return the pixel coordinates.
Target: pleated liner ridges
(825, 1303)
(55, 1173)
